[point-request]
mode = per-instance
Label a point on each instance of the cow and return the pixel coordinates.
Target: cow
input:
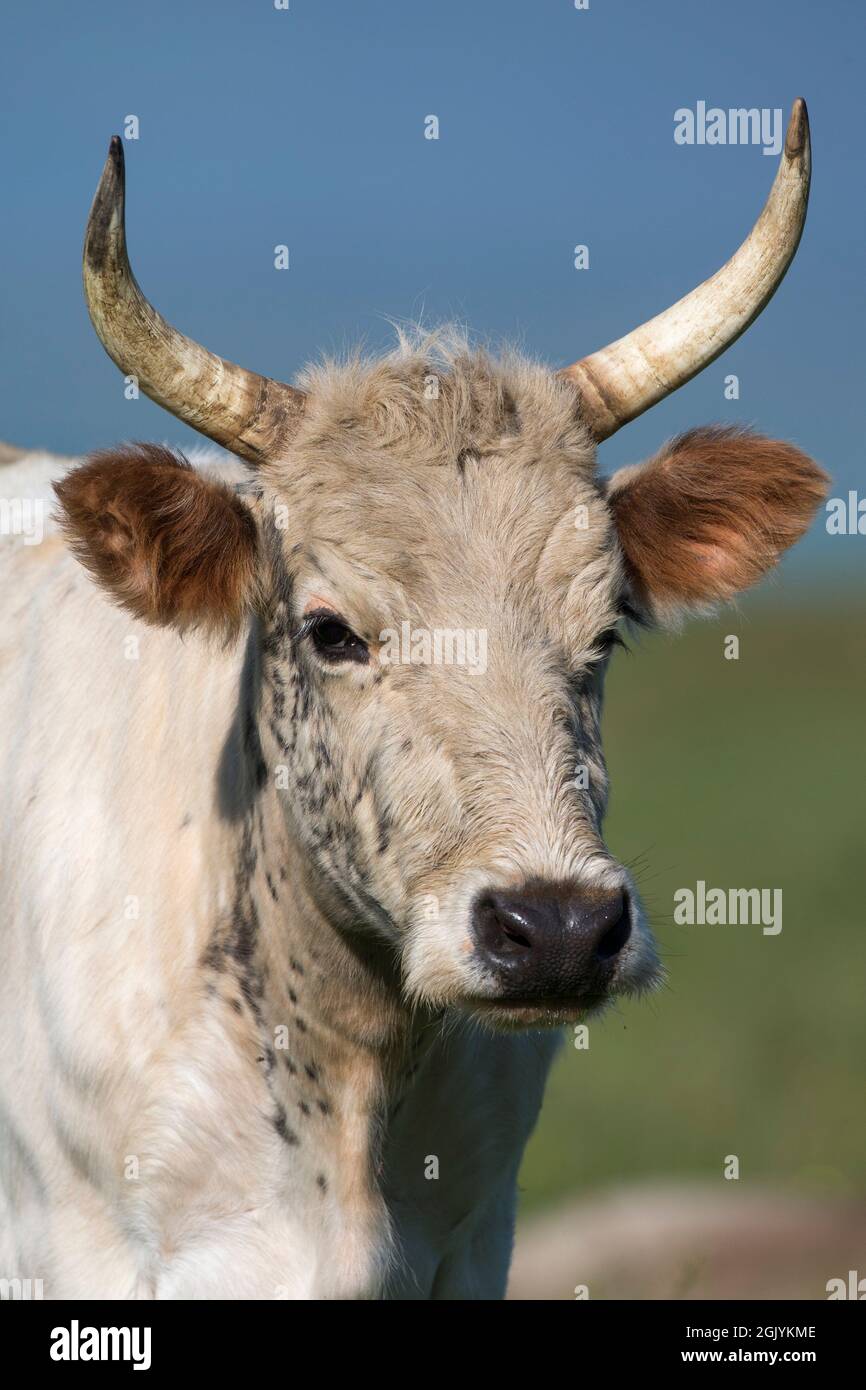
(297, 894)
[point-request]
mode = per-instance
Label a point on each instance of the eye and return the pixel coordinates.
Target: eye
(333, 639)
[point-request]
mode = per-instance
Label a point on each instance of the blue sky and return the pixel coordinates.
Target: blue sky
(306, 127)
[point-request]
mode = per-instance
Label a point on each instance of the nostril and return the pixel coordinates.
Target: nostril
(498, 929)
(514, 935)
(617, 934)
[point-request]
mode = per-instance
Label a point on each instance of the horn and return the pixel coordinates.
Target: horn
(249, 414)
(621, 381)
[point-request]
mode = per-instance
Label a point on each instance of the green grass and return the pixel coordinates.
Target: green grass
(745, 773)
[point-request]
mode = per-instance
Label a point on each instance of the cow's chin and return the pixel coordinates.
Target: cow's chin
(515, 1015)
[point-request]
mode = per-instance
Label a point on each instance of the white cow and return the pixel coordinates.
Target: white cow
(301, 859)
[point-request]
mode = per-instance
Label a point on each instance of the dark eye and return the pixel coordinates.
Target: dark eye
(334, 640)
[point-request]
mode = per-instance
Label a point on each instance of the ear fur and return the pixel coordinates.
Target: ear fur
(710, 514)
(174, 547)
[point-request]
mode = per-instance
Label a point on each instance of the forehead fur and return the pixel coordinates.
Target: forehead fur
(439, 395)
(449, 472)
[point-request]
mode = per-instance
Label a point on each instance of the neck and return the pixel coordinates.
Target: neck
(314, 994)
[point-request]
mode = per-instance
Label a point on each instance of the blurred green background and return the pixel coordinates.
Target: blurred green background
(746, 773)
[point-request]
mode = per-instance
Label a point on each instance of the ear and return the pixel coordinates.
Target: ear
(709, 515)
(173, 546)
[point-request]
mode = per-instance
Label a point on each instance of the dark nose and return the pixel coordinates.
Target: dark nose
(551, 941)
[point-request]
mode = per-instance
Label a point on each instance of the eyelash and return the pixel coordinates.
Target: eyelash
(612, 638)
(605, 643)
(355, 648)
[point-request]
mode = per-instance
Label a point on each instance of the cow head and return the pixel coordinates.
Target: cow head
(434, 578)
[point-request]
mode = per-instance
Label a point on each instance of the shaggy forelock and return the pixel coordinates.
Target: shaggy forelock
(444, 395)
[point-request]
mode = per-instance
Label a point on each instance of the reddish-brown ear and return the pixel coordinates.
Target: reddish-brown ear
(172, 545)
(710, 514)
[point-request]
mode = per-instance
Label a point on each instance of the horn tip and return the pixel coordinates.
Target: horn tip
(107, 207)
(114, 163)
(797, 137)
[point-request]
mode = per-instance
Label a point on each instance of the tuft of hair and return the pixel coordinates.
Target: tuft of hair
(171, 545)
(442, 393)
(710, 514)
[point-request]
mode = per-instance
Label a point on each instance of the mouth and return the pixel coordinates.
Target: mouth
(507, 1013)
(513, 1012)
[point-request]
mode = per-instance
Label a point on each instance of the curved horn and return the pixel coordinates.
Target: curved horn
(249, 414)
(624, 379)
